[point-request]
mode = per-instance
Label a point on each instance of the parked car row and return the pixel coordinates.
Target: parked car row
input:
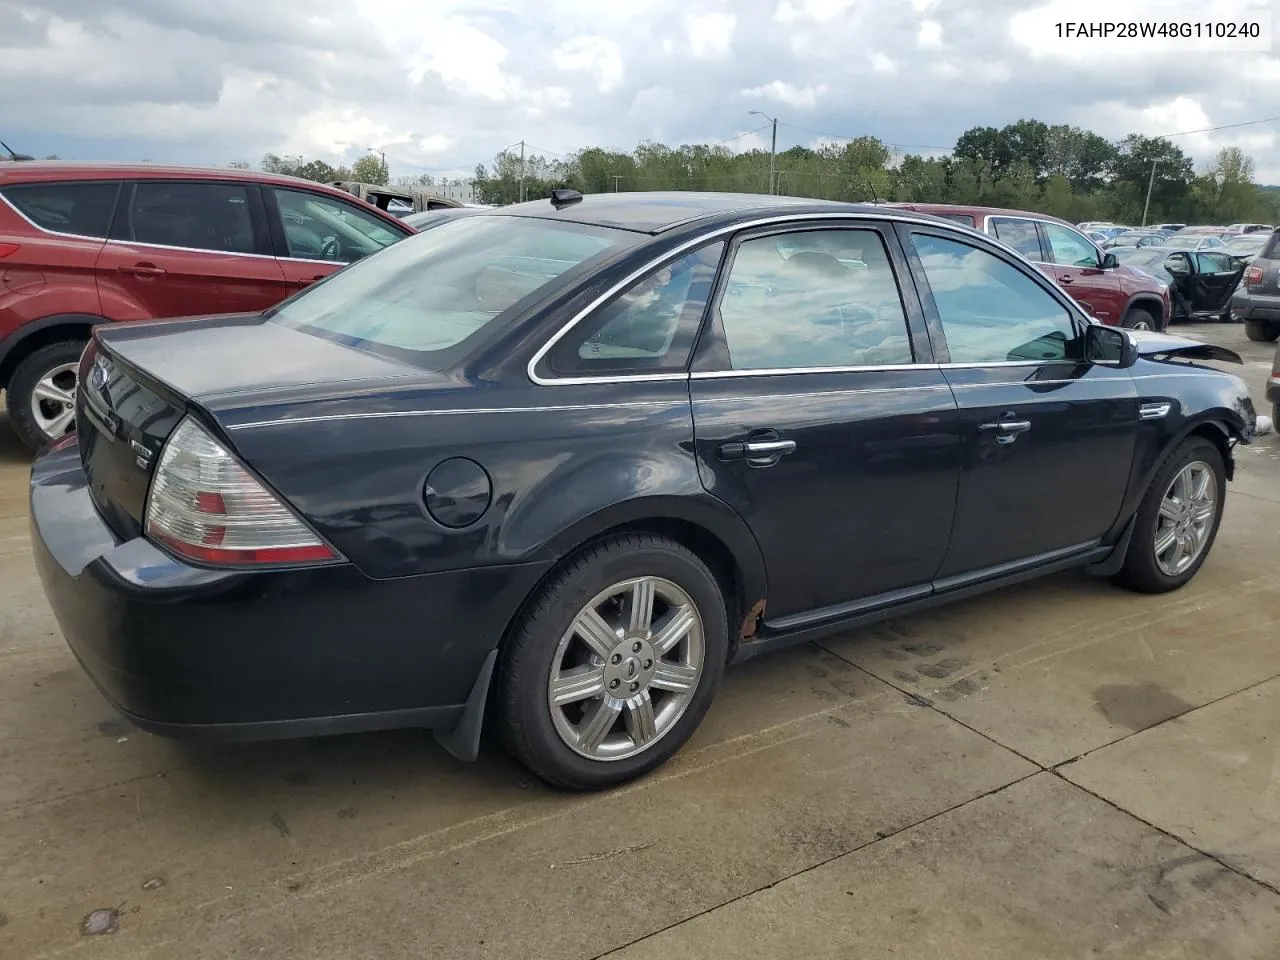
(87, 244)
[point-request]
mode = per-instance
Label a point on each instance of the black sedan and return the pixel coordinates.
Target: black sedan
(560, 463)
(1200, 283)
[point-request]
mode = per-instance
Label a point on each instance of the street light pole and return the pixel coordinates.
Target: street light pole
(773, 147)
(1150, 183)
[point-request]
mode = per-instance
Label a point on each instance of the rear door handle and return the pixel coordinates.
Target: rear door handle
(1067, 279)
(141, 269)
(1007, 430)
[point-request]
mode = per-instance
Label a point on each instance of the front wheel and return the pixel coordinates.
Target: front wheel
(41, 396)
(1139, 318)
(615, 664)
(1177, 520)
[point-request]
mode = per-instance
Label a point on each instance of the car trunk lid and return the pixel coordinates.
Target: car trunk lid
(139, 380)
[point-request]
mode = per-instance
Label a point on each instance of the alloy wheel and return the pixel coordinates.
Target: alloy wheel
(1187, 512)
(626, 669)
(53, 401)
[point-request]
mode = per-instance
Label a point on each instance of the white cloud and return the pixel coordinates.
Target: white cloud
(930, 35)
(595, 55)
(882, 64)
(710, 35)
(820, 11)
(781, 92)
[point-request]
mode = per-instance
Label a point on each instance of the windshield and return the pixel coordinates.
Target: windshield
(1141, 256)
(418, 299)
(1184, 243)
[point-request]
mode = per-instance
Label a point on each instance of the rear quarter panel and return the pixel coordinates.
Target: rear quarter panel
(564, 463)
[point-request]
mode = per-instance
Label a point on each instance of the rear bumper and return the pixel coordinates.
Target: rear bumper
(1256, 306)
(185, 651)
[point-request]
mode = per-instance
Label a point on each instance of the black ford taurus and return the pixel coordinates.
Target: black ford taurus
(560, 463)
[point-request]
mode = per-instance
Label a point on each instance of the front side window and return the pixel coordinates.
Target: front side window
(819, 298)
(649, 328)
(1021, 235)
(317, 227)
(195, 215)
(422, 300)
(992, 312)
(83, 209)
(1068, 247)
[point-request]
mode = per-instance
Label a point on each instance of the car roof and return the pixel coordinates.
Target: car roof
(979, 213)
(34, 171)
(656, 212)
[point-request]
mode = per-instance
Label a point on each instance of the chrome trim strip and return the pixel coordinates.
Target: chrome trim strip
(457, 411)
(786, 371)
(927, 388)
(169, 246)
(627, 281)
(1155, 410)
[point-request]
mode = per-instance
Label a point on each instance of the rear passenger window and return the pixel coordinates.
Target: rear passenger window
(820, 298)
(201, 216)
(648, 329)
(83, 209)
(1019, 234)
(991, 311)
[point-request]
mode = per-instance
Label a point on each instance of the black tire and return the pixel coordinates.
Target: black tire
(1261, 331)
(18, 396)
(1141, 315)
(524, 715)
(1140, 571)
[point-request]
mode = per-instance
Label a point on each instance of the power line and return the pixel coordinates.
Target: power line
(1224, 126)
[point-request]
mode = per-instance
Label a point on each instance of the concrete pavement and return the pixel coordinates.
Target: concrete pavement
(1062, 769)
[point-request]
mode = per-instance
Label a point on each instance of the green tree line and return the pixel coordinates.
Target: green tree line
(1061, 170)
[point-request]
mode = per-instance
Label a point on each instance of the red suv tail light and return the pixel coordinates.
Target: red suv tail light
(204, 505)
(1253, 276)
(8, 248)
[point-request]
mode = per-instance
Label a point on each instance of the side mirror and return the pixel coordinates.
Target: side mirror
(1109, 345)
(1110, 261)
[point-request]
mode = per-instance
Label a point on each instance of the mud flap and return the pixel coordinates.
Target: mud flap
(1110, 565)
(463, 741)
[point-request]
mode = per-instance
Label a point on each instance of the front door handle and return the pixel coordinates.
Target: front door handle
(141, 270)
(1007, 430)
(758, 453)
(1066, 279)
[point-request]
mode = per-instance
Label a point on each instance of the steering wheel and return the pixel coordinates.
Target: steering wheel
(331, 248)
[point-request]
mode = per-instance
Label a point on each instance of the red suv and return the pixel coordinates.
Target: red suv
(1115, 294)
(85, 244)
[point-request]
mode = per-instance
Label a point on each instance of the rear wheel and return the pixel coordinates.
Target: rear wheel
(1177, 520)
(615, 664)
(1140, 318)
(41, 396)
(1261, 331)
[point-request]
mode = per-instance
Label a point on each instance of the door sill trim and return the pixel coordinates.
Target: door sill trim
(799, 628)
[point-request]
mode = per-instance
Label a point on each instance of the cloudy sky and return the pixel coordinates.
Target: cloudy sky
(441, 84)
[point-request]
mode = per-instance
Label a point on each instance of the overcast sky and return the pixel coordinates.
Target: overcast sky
(439, 85)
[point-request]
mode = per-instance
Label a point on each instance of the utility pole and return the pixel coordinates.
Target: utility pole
(616, 178)
(773, 147)
(522, 171)
(1150, 183)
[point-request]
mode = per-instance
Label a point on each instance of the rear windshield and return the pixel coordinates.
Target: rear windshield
(421, 299)
(1272, 249)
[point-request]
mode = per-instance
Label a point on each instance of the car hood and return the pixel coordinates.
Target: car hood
(225, 360)
(1152, 344)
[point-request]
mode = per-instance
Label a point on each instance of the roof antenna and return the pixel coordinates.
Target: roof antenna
(872, 187)
(12, 155)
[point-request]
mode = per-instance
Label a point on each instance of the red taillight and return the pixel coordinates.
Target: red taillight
(8, 248)
(1253, 276)
(204, 505)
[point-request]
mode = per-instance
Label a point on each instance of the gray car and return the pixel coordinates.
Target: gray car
(1257, 299)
